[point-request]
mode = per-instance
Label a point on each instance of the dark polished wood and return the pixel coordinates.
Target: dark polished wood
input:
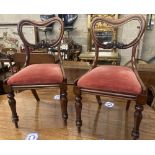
(151, 95)
(35, 58)
(75, 69)
(29, 58)
(128, 105)
(99, 123)
(137, 120)
(34, 92)
(139, 98)
(147, 73)
(64, 101)
(98, 98)
(12, 104)
(78, 107)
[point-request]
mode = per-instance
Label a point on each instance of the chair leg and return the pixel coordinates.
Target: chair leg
(137, 120)
(98, 98)
(78, 107)
(64, 101)
(150, 95)
(12, 104)
(34, 92)
(128, 105)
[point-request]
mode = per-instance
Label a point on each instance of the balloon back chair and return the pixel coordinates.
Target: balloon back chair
(43, 75)
(114, 81)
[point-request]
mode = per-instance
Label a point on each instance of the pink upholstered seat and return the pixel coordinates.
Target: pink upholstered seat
(111, 78)
(37, 74)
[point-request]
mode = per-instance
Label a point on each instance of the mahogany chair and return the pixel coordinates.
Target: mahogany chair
(114, 81)
(43, 75)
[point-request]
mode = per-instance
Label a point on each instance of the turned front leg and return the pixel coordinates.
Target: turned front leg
(64, 101)
(137, 120)
(78, 106)
(12, 104)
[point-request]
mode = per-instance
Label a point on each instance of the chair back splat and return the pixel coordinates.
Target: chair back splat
(115, 81)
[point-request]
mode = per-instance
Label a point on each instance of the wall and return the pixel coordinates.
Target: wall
(8, 34)
(80, 33)
(148, 50)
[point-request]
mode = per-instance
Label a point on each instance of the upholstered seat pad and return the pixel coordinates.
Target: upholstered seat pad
(111, 78)
(37, 74)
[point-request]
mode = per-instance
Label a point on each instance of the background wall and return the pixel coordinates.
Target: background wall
(148, 49)
(8, 34)
(80, 34)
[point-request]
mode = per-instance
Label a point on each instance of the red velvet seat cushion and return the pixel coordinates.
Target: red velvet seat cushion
(37, 74)
(111, 78)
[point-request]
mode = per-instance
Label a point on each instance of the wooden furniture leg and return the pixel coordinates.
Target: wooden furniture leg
(137, 120)
(128, 105)
(98, 98)
(34, 92)
(12, 104)
(64, 101)
(78, 106)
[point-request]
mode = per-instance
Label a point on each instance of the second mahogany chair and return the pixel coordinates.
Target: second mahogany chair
(44, 75)
(114, 81)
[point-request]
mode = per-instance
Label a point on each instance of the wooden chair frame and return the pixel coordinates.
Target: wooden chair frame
(27, 45)
(139, 99)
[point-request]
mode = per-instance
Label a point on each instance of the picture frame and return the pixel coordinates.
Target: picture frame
(103, 31)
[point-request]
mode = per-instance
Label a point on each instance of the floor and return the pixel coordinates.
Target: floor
(45, 118)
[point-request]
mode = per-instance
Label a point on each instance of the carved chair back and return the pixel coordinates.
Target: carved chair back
(116, 24)
(53, 42)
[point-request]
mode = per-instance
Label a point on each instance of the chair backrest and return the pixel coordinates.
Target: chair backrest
(114, 44)
(53, 42)
(46, 17)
